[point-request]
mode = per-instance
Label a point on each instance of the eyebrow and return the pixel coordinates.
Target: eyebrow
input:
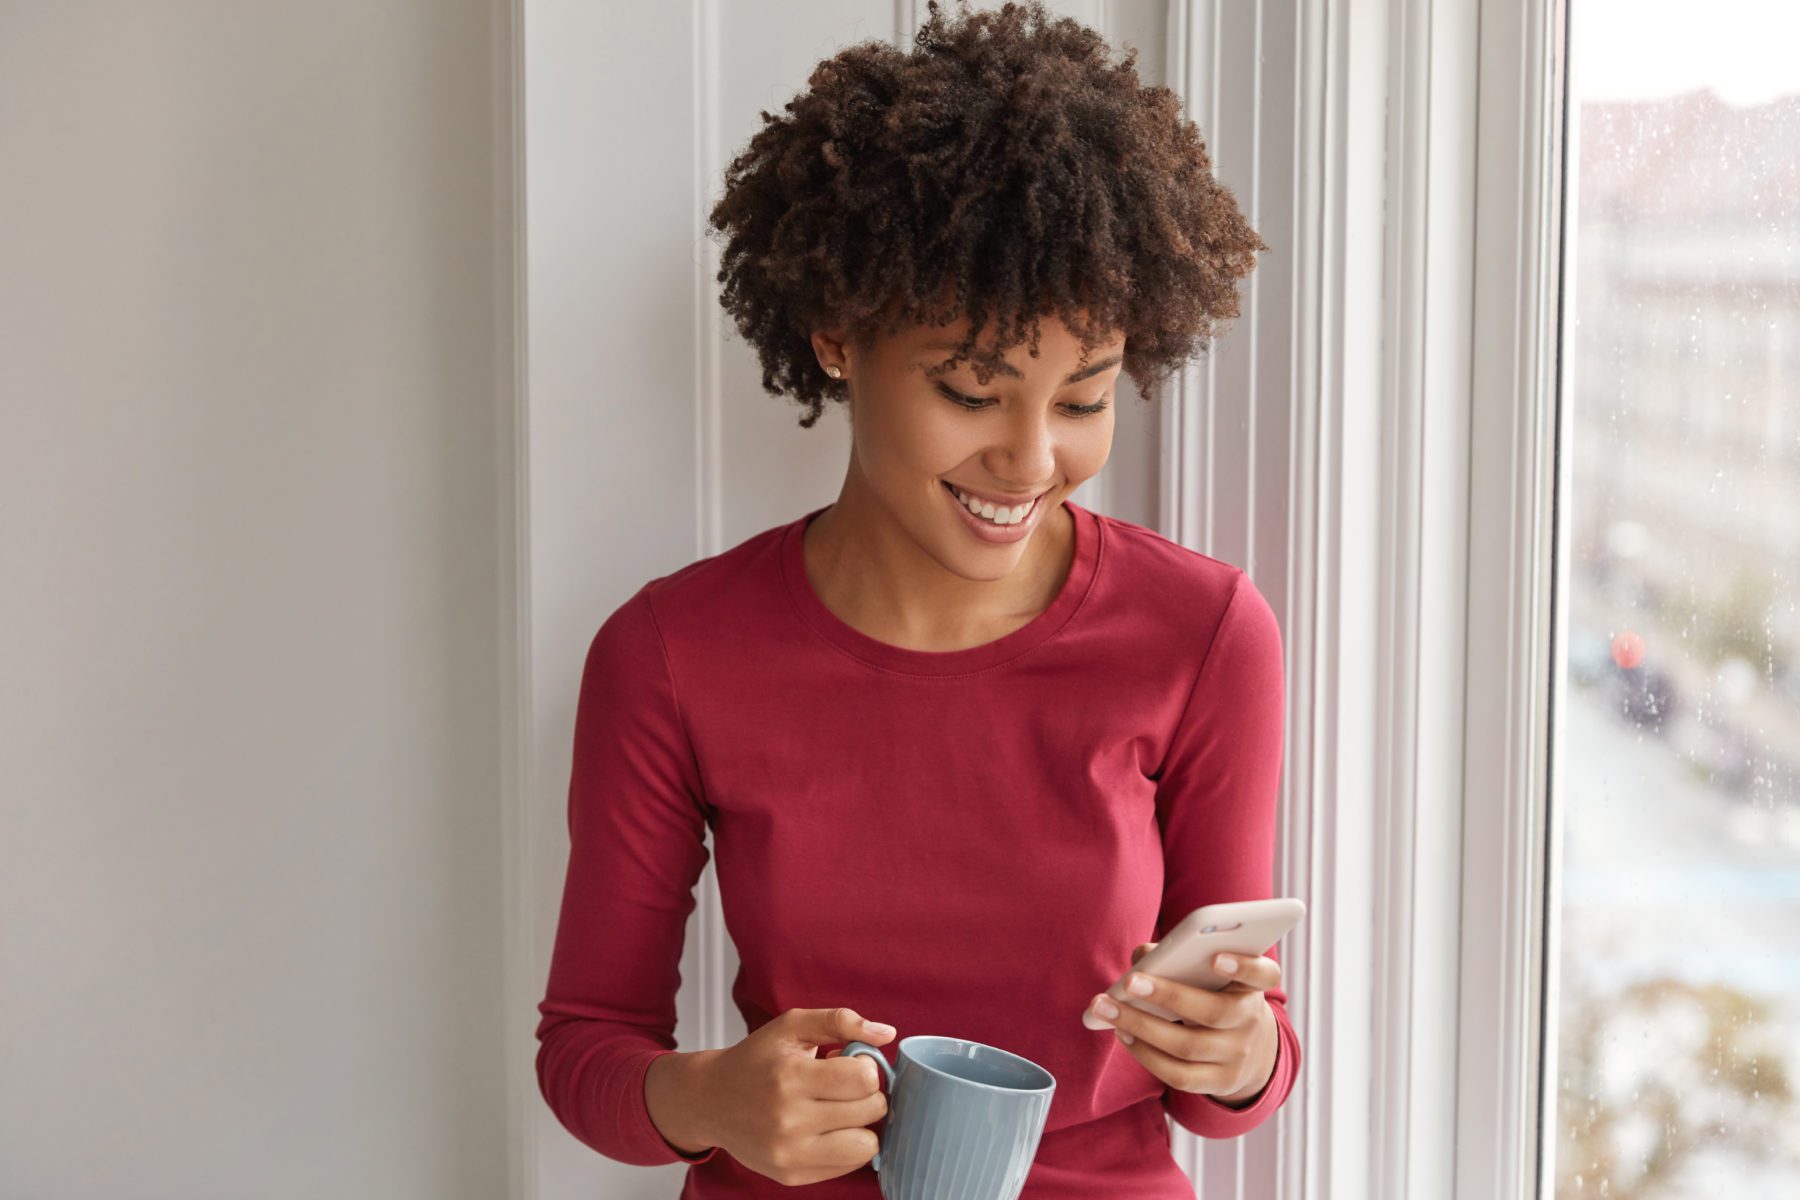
(1006, 368)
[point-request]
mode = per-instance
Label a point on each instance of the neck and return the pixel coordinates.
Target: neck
(871, 571)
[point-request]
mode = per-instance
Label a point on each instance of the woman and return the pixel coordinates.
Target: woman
(962, 743)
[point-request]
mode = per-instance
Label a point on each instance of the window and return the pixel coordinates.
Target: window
(1675, 930)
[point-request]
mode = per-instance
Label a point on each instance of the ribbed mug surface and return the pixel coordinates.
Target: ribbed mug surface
(963, 1120)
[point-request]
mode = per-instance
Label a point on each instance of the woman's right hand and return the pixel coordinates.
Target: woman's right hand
(785, 1113)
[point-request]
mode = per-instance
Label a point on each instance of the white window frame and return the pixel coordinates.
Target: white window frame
(1417, 434)
(1518, 615)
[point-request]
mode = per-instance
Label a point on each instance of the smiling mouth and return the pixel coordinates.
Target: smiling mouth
(1029, 506)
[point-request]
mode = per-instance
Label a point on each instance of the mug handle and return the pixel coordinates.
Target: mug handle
(872, 1052)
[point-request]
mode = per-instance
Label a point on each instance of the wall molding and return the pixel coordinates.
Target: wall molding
(520, 881)
(1238, 427)
(717, 956)
(1516, 614)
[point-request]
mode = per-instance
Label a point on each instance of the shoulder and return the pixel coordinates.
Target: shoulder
(714, 578)
(718, 591)
(1199, 608)
(1175, 583)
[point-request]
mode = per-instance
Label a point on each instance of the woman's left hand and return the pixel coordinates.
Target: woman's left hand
(1224, 1044)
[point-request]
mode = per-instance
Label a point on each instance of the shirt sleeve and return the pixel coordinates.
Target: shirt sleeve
(637, 829)
(1216, 802)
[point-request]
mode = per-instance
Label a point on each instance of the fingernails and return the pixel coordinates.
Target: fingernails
(878, 1029)
(1106, 1008)
(1125, 1037)
(1227, 964)
(1139, 984)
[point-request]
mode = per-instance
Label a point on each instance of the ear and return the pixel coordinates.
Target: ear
(829, 346)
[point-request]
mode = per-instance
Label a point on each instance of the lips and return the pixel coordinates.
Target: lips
(990, 532)
(1029, 500)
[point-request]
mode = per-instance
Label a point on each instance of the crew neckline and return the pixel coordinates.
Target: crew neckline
(1089, 535)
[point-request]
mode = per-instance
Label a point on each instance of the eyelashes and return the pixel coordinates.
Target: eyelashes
(979, 403)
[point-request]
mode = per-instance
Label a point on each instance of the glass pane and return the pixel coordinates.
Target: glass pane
(1677, 1025)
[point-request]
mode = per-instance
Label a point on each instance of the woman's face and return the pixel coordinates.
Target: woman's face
(919, 429)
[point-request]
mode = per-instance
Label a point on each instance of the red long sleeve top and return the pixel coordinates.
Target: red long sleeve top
(965, 842)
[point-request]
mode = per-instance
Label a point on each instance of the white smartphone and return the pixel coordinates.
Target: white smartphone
(1185, 954)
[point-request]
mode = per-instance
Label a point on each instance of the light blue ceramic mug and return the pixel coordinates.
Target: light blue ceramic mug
(963, 1119)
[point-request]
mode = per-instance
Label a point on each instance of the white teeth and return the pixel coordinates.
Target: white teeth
(998, 515)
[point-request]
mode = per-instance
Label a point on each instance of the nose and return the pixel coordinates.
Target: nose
(1026, 453)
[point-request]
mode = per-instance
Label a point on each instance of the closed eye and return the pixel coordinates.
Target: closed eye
(979, 403)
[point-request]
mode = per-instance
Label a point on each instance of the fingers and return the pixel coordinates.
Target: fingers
(1258, 972)
(1191, 1005)
(1203, 1048)
(848, 1112)
(1192, 1042)
(841, 1077)
(842, 1149)
(1209, 1077)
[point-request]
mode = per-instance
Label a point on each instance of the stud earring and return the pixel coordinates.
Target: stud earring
(834, 372)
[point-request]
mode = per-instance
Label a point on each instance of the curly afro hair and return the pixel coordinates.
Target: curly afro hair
(1004, 167)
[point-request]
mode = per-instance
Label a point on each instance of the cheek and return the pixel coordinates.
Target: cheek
(1084, 451)
(941, 442)
(926, 444)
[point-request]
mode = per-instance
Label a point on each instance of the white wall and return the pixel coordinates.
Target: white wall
(250, 873)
